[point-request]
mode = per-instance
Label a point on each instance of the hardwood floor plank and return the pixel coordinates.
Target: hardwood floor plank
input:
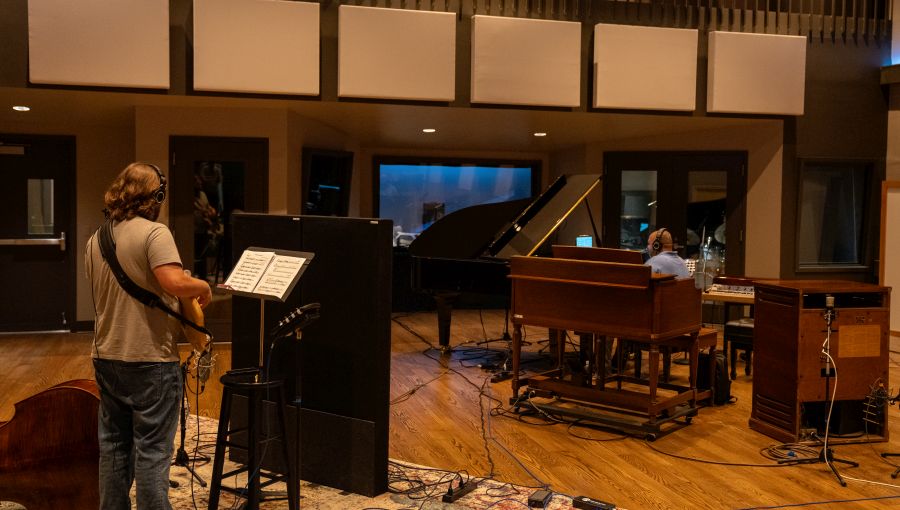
(440, 417)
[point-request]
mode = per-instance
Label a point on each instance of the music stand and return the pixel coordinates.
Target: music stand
(268, 275)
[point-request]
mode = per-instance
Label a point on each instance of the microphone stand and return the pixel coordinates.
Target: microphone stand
(181, 456)
(826, 454)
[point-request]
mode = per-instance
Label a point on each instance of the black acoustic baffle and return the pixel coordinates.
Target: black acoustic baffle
(338, 376)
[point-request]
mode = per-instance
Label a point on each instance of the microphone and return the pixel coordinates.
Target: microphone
(298, 318)
(829, 308)
(204, 364)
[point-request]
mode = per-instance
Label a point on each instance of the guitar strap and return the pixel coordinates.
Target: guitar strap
(108, 251)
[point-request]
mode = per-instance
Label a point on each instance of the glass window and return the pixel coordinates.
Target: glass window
(40, 206)
(638, 214)
(705, 240)
(832, 208)
(416, 195)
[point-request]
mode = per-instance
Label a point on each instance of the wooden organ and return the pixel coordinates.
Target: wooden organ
(608, 299)
(791, 392)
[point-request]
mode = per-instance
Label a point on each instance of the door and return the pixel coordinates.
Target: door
(211, 178)
(699, 197)
(37, 219)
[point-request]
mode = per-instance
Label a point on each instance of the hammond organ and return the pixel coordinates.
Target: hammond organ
(608, 299)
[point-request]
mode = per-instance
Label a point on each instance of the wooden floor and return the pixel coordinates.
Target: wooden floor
(444, 413)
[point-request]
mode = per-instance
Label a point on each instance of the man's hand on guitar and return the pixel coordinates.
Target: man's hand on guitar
(205, 297)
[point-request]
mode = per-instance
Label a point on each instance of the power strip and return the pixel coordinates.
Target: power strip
(452, 495)
(586, 503)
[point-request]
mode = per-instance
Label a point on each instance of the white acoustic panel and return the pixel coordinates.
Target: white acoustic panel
(756, 73)
(526, 61)
(396, 54)
(256, 46)
(121, 43)
(645, 67)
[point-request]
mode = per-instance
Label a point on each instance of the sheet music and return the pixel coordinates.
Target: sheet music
(278, 277)
(264, 272)
(250, 268)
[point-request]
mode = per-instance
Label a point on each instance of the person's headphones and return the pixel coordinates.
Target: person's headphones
(657, 244)
(160, 194)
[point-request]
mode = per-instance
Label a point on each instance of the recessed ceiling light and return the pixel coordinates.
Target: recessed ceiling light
(22, 108)
(429, 130)
(539, 133)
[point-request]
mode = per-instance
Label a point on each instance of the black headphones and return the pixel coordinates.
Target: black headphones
(657, 245)
(160, 194)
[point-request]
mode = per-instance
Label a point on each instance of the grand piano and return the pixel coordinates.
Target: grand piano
(468, 251)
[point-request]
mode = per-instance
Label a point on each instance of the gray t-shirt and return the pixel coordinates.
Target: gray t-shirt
(668, 262)
(125, 329)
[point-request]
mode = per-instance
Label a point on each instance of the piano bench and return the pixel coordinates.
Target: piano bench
(738, 335)
(707, 339)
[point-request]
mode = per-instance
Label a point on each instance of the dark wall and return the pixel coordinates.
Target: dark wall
(338, 374)
(13, 43)
(845, 118)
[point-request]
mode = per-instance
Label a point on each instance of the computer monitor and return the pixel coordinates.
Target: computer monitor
(584, 240)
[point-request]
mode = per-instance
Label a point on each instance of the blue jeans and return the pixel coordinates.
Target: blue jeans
(139, 409)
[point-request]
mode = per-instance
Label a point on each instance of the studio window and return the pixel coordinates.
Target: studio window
(832, 213)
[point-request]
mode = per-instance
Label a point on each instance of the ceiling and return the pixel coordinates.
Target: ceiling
(380, 125)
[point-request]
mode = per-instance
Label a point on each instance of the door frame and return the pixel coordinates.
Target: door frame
(67, 144)
(253, 151)
(671, 165)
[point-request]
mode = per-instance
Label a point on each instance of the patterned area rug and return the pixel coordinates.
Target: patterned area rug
(411, 486)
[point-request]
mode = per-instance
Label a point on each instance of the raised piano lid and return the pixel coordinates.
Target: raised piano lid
(536, 223)
(504, 229)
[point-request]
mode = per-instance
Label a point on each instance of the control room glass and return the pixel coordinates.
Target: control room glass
(638, 214)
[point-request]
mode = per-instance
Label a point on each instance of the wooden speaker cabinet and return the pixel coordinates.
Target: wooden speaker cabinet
(790, 390)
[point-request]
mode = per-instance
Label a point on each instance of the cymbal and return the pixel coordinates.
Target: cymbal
(719, 233)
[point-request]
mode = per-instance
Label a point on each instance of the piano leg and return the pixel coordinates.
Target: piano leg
(444, 303)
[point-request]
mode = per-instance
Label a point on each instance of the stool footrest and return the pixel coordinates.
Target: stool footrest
(237, 471)
(232, 444)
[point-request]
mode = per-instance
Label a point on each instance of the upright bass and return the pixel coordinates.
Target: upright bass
(49, 453)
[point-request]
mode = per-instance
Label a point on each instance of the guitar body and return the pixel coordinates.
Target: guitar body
(190, 308)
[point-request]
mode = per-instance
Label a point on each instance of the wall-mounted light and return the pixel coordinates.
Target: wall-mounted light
(540, 134)
(429, 130)
(20, 108)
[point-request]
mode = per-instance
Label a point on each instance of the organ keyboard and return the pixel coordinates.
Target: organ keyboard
(728, 289)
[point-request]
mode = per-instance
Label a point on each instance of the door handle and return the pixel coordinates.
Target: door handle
(61, 241)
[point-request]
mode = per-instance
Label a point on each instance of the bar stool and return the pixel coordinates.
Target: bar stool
(738, 335)
(243, 382)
